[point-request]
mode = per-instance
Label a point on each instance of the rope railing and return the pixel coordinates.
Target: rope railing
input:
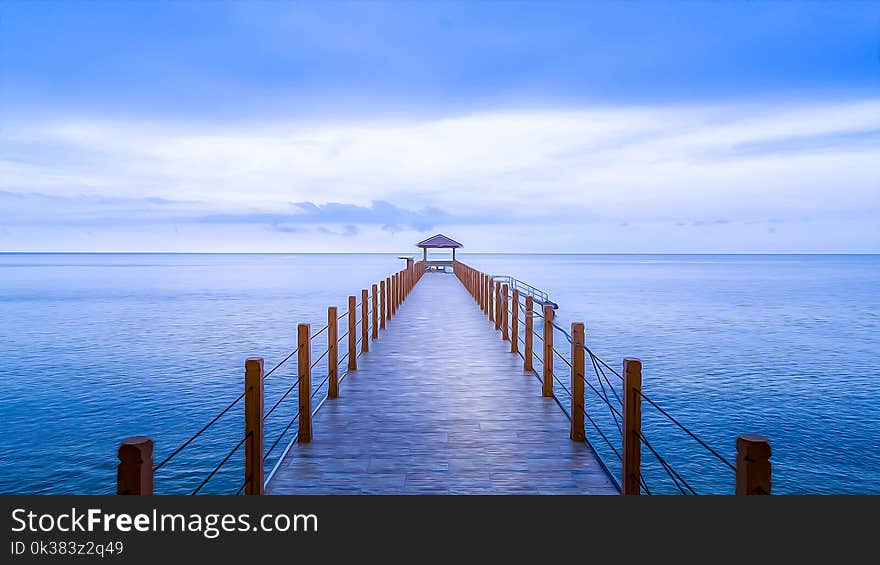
(599, 366)
(508, 310)
(672, 419)
(198, 433)
(136, 458)
(282, 362)
(280, 400)
(219, 465)
(282, 434)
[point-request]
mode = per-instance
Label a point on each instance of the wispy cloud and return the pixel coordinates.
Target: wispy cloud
(621, 166)
(346, 231)
(384, 214)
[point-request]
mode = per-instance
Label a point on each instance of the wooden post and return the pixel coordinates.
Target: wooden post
(388, 298)
(365, 320)
(375, 316)
(483, 301)
(498, 305)
(505, 313)
(490, 286)
(395, 294)
(332, 352)
(304, 358)
(392, 307)
(382, 305)
(514, 323)
(352, 333)
(547, 388)
(632, 426)
(753, 468)
(253, 425)
(577, 382)
(530, 332)
(134, 474)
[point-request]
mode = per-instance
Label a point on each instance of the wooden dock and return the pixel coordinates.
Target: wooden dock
(440, 406)
(434, 395)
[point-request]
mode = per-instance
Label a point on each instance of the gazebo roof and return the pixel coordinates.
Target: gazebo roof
(438, 241)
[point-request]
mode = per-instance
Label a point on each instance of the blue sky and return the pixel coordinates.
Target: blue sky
(590, 127)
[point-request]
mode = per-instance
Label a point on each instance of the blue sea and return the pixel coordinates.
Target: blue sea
(97, 347)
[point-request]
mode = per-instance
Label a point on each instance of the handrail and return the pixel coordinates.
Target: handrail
(216, 418)
(537, 294)
(599, 367)
(403, 284)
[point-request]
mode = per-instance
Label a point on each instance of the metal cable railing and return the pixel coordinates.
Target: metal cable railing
(219, 465)
(198, 433)
(602, 389)
(282, 362)
(367, 313)
(282, 434)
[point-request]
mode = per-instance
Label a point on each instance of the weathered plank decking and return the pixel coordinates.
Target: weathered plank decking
(440, 406)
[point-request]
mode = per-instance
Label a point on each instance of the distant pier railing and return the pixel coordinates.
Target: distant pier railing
(508, 302)
(378, 304)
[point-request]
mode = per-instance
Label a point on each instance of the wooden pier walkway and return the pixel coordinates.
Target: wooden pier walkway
(433, 401)
(440, 406)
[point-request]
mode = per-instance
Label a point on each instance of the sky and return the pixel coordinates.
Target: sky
(620, 127)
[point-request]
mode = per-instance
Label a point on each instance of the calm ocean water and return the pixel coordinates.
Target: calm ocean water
(99, 347)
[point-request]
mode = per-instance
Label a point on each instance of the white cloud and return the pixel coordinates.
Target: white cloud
(740, 163)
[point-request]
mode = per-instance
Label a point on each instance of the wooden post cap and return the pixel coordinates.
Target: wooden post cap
(753, 447)
(136, 450)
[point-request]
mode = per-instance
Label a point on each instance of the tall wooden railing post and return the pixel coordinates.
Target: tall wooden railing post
(490, 288)
(514, 323)
(332, 352)
(484, 281)
(392, 293)
(529, 335)
(382, 305)
(253, 425)
(505, 313)
(352, 333)
(632, 426)
(134, 474)
(388, 305)
(375, 317)
(304, 358)
(547, 360)
(577, 382)
(365, 320)
(753, 468)
(498, 305)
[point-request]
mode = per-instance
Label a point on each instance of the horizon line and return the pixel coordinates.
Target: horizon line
(846, 253)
